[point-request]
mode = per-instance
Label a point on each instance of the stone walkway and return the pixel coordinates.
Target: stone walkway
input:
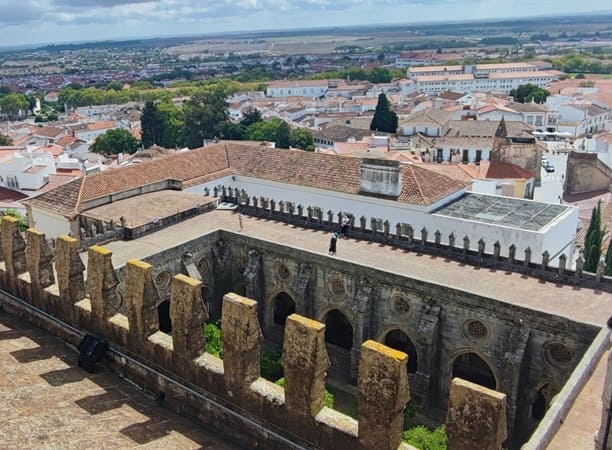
(583, 420)
(48, 402)
(583, 305)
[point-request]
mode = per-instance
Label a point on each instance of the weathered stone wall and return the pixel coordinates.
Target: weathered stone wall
(522, 349)
(177, 367)
(442, 323)
(585, 172)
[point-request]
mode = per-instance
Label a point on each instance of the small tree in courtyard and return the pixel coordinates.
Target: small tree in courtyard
(593, 240)
(384, 119)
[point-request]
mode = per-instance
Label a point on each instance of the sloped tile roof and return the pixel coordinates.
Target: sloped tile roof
(327, 172)
(424, 187)
(334, 173)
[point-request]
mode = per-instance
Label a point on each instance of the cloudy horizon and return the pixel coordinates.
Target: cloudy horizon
(54, 21)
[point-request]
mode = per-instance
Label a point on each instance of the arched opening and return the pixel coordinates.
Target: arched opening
(538, 408)
(163, 316)
(472, 367)
(338, 329)
(399, 340)
(542, 400)
(284, 306)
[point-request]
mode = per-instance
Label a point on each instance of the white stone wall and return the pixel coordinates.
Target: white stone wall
(53, 225)
(554, 239)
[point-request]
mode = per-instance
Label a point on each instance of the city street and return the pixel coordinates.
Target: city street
(551, 189)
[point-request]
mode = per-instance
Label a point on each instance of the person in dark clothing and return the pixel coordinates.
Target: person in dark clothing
(332, 243)
(344, 226)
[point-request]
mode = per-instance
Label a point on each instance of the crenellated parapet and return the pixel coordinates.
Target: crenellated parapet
(191, 375)
(475, 250)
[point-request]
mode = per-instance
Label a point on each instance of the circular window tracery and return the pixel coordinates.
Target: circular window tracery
(336, 286)
(401, 304)
(282, 271)
(163, 279)
(475, 330)
(559, 354)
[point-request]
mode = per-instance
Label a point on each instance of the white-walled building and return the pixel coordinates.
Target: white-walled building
(375, 189)
(26, 170)
(480, 77)
(578, 118)
(299, 88)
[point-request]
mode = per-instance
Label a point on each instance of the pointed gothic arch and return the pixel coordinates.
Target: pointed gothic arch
(283, 306)
(471, 367)
(338, 329)
(399, 340)
(163, 317)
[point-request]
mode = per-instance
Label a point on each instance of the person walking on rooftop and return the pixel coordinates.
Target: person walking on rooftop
(332, 243)
(344, 226)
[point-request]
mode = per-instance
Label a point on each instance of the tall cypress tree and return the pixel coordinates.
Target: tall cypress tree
(593, 240)
(608, 269)
(384, 119)
(151, 127)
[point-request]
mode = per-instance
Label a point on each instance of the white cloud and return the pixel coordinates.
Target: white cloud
(61, 20)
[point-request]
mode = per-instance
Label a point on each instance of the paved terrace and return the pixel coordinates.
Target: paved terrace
(583, 305)
(48, 402)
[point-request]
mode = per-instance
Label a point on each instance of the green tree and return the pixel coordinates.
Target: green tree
(420, 437)
(172, 124)
(114, 85)
(380, 75)
(384, 119)
(608, 269)
(151, 126)
(115, 141)
(214, 344)
(14, 105)
(525, 93)
(593, 240)
(250, 116)
(203, 114)
(5, 140)
(22, 222)
(302, 138)
(232, 131)
(283, 133)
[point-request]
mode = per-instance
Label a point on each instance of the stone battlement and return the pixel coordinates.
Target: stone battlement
(177, 368)
(403, 235)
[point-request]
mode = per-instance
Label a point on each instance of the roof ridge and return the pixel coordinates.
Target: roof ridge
(418, 184)
(78, 202)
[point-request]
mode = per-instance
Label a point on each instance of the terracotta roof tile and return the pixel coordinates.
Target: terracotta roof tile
(334, 173)
(424, 187)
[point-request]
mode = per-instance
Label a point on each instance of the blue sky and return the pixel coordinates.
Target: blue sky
(44, 21)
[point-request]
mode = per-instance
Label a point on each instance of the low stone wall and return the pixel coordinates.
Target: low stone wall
(560, 406)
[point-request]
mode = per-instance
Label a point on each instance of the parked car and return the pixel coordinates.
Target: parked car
(549, 167)
(545, 162)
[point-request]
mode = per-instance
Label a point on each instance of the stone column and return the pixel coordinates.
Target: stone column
(39, 259)
(242, 339)
(476, 417)
(13, 250)
(141, 298)
(70, 280)
(188, 315)
(305, 363)
(102, 285)
(383, 393)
